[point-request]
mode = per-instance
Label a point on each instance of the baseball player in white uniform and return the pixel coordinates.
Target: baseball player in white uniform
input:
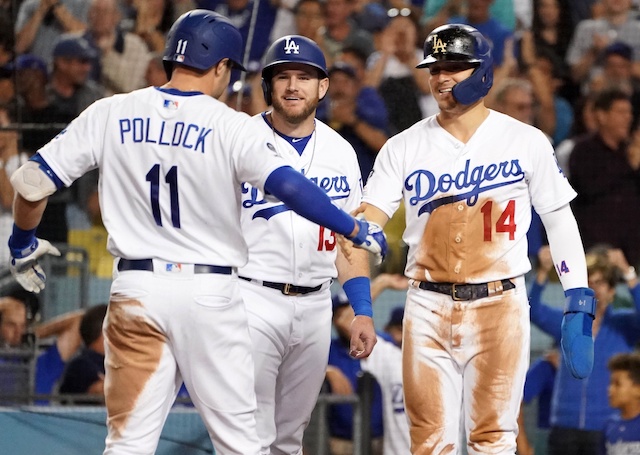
(468, 177)
(292, 262)
(171, 160)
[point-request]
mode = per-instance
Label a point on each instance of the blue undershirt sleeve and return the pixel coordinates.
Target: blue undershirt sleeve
(308, 200)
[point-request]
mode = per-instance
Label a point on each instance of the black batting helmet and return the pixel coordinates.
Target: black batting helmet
(200, 39)
(292, 49)
(462, 43)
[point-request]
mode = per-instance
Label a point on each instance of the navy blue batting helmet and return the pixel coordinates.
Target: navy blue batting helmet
(292, 49)
(200, 39)
(462, 43)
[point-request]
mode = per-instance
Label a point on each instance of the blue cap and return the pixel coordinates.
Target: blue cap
(29, 61)
(397, 314)
(74, 46)
(619, 48)
(373, 18)
(344, 68)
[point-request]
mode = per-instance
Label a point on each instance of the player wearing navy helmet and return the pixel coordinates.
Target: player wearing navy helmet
(292, 262)
(171, 160)
(469, 177)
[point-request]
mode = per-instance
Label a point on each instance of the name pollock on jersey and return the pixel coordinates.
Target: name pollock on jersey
(155, 131)
(426, 185)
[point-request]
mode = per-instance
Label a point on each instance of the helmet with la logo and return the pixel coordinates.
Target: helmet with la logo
(462, 43)
(291, 49)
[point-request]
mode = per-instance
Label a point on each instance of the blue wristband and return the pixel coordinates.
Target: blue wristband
(21, 239)
(358, 292)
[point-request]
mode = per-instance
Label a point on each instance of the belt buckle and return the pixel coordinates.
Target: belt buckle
(454, 295)
(287, 290)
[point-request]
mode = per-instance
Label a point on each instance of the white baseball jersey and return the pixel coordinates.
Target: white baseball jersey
(156, 163)
(385, 363)
(468, 206)
(284, 247)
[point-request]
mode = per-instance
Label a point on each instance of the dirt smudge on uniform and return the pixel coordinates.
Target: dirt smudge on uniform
(500, 355)
(424, 401)
(134, 348)
(460, 242)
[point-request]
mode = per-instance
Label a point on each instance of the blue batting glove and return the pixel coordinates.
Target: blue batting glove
(577, 341)
(371, 237)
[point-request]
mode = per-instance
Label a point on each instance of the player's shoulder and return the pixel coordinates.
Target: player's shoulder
(325, 132)
(509, 125)
(421, 129)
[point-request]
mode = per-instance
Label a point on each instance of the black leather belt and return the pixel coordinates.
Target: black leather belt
(286, 288)
(468, 291)
(147, 265)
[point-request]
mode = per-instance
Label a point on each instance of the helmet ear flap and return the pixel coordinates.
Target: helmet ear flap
(266, 91)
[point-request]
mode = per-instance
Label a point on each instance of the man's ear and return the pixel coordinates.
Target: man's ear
(323, 87)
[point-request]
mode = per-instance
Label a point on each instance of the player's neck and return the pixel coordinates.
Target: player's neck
(462, 125)
(294, 129)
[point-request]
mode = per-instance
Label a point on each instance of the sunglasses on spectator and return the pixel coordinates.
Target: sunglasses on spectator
(393, 12)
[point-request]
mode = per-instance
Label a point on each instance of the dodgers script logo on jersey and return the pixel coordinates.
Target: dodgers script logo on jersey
(336, 188)
(426, 185)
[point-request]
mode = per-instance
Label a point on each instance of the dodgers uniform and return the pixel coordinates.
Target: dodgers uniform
(171, 164)
(468, 210)
(286, 287)
(385, 363)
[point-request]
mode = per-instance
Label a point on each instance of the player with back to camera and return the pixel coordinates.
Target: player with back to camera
(171, 160)
(469, 176)
(286, 283)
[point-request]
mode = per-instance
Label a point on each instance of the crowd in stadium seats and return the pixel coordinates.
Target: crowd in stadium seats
(569, 67)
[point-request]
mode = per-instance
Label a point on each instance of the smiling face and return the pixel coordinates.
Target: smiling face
(296, 91)
(443, 77)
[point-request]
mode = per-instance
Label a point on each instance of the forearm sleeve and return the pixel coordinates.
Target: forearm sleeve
(308, 200)
(566, 247)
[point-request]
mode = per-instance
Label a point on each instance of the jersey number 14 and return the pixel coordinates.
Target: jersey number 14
(506, 221)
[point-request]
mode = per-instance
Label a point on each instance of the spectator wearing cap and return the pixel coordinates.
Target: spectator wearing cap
(592, 36)
(617, 71)
(70, 87)
(343, 373)
(41, 22)
(121, 57)
(355, 111)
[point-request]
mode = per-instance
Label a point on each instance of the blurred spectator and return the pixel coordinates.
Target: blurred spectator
(13, 322)
(342, 32)
(579, 407)
(41, 22)
(617, 71)
(69, 88)
(538, 384)
(583, 124)
(84, 373)
(605, 175)
(622, 433)
(392, 71)
(385, 363)
(247, 96)
(7, 40)
(121, 57)
(358, 113)
(550, 34)
(10, 160)
(309, 19)
(153, 19)
(478, 15)
(240, 12)
(439, 12)
(155, 75)
(592, 36)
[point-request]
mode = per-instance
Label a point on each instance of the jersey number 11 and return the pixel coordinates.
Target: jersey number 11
(171, 178)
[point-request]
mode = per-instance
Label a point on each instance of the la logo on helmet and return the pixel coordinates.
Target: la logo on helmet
(290, 46)
(438, 46)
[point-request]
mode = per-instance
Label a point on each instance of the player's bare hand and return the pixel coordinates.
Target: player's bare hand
(338, 381)
(363, 337)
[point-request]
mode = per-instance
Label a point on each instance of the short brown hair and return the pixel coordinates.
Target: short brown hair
(629, 362)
